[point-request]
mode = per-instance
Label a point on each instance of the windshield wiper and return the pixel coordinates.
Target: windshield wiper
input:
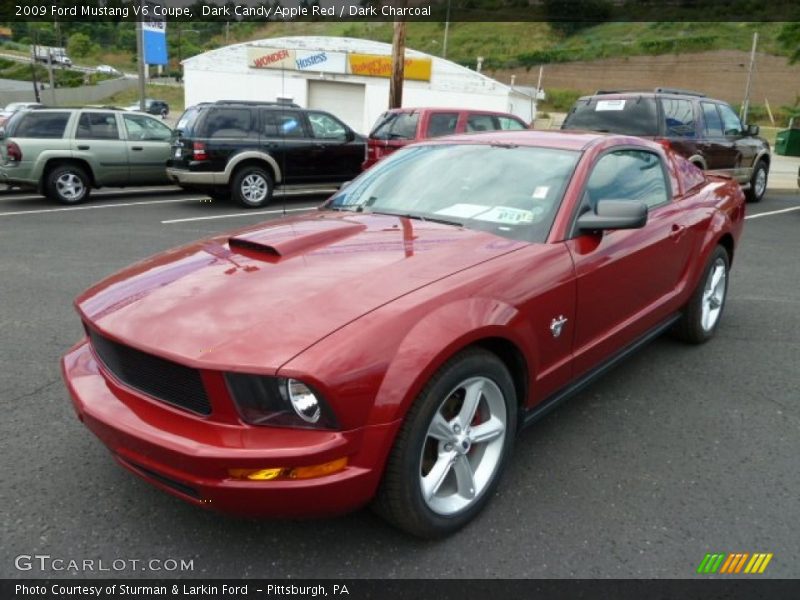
(422, 218)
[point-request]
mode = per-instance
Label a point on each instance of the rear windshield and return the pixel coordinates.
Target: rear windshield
(396, 126)
(36, 124)
(627, 116)
(186, 123)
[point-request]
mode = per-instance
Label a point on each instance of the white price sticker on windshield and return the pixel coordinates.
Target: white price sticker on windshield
(610, 105)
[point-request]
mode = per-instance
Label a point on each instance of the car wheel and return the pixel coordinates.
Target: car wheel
(451, 449)
(252, 187)
(758, 182)
(67, 184)
(701, 316)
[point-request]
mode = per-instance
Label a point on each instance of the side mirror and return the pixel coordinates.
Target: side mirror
(614, 214)
(752, 130)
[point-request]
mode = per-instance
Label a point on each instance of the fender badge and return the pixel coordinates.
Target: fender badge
(557, 324)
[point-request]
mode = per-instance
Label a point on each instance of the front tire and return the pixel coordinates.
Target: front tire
(702, 315)
(252, 187)
(67, 184)
(450, 452)
(758, 182)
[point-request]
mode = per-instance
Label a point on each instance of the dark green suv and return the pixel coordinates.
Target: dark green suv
(65, 152)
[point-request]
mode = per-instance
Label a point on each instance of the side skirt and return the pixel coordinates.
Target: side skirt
(535, 413)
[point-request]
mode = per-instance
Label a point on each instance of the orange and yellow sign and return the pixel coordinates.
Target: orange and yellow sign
(376, 65)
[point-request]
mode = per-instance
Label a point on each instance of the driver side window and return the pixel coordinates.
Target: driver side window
(326, 127)
(635, 175)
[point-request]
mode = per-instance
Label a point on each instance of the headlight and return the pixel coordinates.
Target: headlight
(279, 401)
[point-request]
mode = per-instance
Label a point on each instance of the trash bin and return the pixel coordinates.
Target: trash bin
(787, 142)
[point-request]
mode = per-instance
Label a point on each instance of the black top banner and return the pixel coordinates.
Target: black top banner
(578, 11)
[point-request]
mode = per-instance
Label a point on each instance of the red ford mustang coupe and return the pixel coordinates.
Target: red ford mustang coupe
(388, 347)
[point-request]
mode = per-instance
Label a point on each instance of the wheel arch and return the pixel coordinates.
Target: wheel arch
(251, 158)
(55, 162)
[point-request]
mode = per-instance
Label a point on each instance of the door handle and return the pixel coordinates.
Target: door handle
(137, 148)
(677, 231)
(83, 147)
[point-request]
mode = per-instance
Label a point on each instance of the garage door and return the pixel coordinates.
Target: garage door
(345, 100)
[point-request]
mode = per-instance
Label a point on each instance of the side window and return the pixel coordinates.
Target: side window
(713, 124)
(678, 117)
(39, 125)
(282, 124)
(441, 123)
(141, 128)
(97, 126)
(481, 123)
(635, 175)
(731, 124)
(509, 123)
(326, 127)
(229, 123)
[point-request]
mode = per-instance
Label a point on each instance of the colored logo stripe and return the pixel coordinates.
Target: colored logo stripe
(734, 563)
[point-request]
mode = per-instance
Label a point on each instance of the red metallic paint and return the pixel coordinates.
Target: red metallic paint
(365, 308)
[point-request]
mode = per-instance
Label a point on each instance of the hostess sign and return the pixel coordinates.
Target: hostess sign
(322, 61)
(154, 35)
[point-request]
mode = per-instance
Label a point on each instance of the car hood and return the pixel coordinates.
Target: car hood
(255, 299)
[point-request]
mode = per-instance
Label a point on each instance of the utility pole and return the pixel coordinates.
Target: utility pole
(446, 30)
(398, 65)
(52, 79)
(140, 60)
(746, 103)
(33, 67)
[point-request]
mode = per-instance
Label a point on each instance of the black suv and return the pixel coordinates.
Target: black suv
(704, 130)
(243, 149)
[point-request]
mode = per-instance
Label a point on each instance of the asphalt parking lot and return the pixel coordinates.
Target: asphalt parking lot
(678, 452)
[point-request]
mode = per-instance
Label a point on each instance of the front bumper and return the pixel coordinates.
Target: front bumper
(189, 456)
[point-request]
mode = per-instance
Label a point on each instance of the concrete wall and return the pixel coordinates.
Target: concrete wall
(87, 94)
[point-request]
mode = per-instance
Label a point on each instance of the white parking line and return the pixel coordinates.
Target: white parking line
(772, 212)
(239, 214)
(90, 207)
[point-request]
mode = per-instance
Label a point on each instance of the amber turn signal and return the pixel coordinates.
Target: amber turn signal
(308, 472)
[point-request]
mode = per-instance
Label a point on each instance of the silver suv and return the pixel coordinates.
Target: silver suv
(65, 152)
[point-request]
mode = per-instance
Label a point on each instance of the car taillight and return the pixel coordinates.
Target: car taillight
(199, 151)
(13, 151)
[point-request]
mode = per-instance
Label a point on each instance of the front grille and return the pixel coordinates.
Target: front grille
(157, 377)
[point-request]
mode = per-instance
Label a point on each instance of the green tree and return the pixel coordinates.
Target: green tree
(79, 44)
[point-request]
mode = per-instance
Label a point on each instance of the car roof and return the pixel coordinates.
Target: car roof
(556, 139)
(478, 111)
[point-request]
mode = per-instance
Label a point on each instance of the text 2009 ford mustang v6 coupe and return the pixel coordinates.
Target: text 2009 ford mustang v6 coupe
(388, 347)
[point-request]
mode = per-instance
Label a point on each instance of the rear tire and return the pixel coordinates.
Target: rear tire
(67, 184)
(702, 314)
(252, 187)
(451, 449)
(758, 182)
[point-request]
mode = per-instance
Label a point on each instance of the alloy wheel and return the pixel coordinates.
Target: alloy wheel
(463, 446)
(714, 294)
(254, 188)
(70, 186)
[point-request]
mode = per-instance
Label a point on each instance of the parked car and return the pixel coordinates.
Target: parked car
(705, 131)
(153, 107)
(243, 149)
(399, 127)
(107, 70)
(64, 153)
(13, 107)
(388, 347)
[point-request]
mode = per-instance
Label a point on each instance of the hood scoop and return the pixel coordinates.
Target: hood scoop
(273, 243)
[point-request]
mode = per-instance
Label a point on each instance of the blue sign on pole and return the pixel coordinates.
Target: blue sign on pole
(154, 37)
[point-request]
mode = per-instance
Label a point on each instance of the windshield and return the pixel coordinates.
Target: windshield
(511, 191)
(396, 126)
(185, 126)
(626, 116)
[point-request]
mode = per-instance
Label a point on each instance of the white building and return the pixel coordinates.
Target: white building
(346, 76)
